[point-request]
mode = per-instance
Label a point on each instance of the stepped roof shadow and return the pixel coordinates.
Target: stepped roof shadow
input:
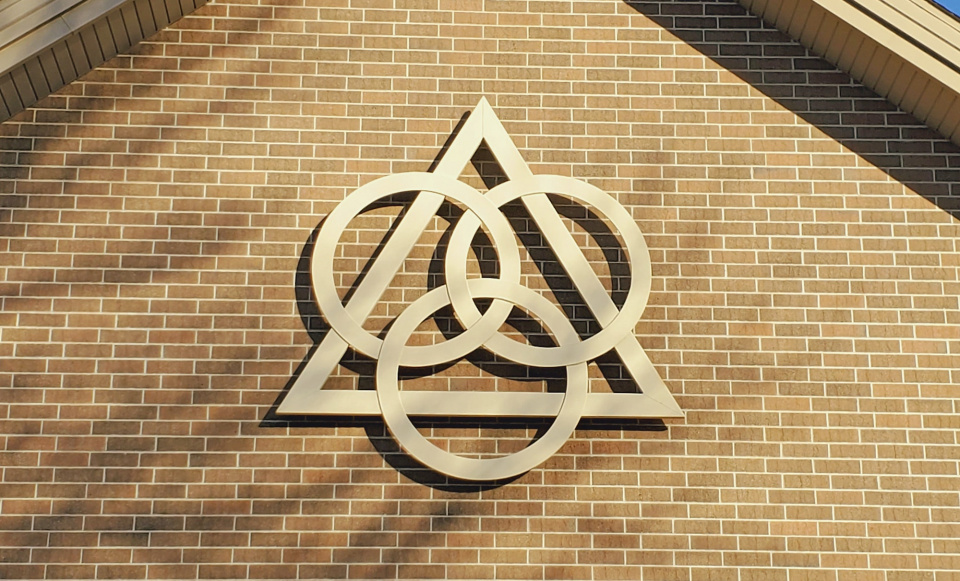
(802, 82)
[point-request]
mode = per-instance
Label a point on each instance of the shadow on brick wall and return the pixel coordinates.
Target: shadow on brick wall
(779, 67)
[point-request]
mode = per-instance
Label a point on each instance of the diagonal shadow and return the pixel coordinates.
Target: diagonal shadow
(802, 82)
(559, 284)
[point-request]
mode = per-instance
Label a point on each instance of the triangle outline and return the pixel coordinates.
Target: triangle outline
(307, 395)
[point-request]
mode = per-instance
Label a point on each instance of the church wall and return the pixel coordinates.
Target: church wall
(157, 218)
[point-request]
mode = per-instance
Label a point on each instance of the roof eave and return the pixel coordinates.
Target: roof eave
(901, 49)
(57, 42)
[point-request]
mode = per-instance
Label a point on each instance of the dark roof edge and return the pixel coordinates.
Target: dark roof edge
(907, 51)
(61, 41)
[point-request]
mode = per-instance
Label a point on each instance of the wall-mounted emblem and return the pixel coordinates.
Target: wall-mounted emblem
(481, 330)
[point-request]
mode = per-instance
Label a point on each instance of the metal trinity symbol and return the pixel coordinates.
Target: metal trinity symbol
(481, 330)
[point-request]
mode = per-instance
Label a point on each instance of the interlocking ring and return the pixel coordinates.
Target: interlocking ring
(336, 222)
(481, 330)
(573, 352)
(399, 424)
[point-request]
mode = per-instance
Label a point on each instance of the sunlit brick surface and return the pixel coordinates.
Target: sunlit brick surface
(156, 302)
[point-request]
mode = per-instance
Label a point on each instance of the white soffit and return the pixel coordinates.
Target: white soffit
(46, 44)
(906, 50)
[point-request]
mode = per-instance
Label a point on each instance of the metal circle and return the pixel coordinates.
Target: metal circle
(614, 330)
(398, 422)
(337, 315)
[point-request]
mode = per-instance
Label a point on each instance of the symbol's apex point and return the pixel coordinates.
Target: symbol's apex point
(483, 101)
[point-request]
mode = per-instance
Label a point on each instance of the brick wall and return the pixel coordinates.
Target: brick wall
(155, 303)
